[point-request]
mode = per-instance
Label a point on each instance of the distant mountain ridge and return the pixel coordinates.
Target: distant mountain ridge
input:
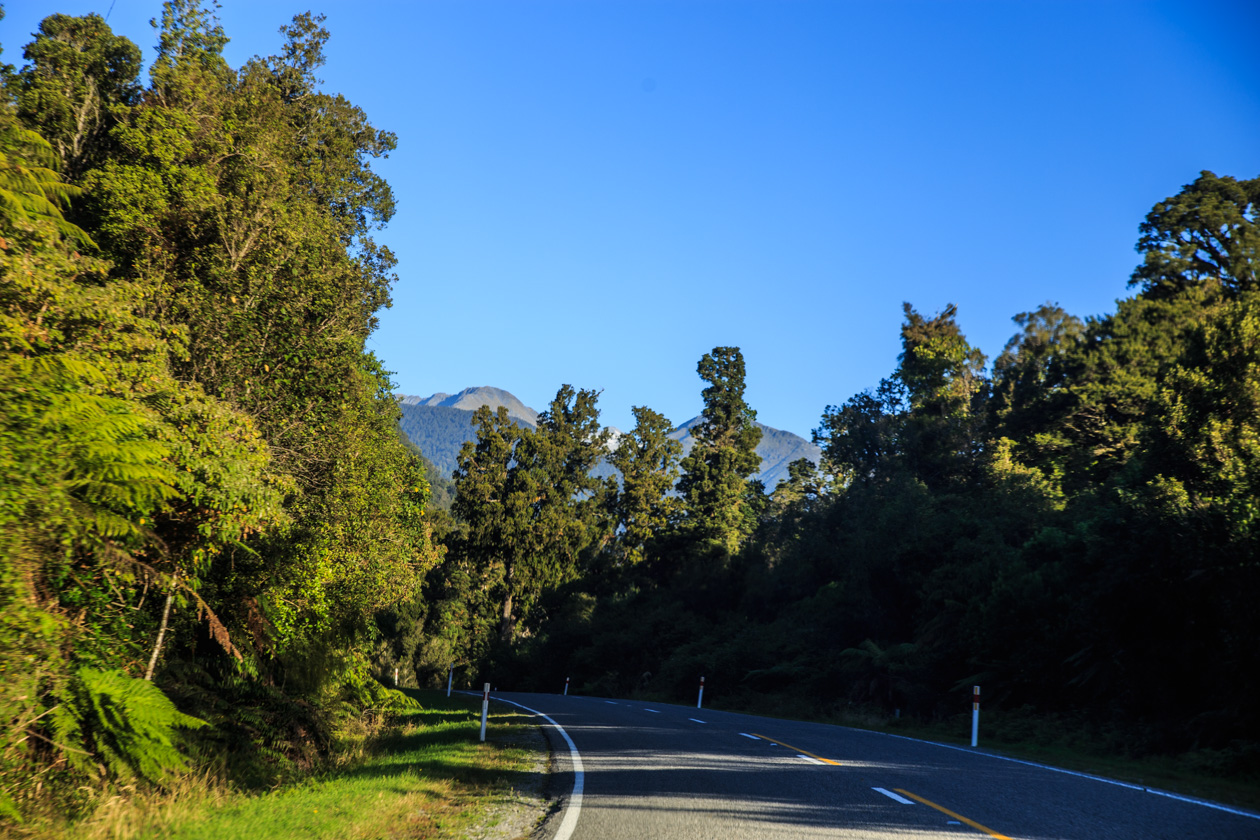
(440, 424)
(440, 430)
(777, 449)
(471, 399)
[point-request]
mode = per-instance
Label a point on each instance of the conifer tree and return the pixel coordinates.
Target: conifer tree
(647, 459)
(719, 500)
(562, 508)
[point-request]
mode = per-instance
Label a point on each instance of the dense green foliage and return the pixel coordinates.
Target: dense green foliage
(646, 459)
(204, 501)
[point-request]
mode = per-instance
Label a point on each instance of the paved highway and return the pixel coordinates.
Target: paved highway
(663, 771)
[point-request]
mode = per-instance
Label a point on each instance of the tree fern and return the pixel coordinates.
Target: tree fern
(125, 724)
(30, 188)
(99, 455)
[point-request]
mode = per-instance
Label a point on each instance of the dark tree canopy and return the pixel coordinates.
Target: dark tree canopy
(1204, 235)
(715, 481)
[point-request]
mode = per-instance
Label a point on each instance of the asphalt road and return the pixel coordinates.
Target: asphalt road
(662, 771)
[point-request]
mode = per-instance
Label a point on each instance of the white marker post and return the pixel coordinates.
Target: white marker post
(450, 677)
(975, 714)
(395, 676)
(566, 686)
(700, 699)
(485, 709)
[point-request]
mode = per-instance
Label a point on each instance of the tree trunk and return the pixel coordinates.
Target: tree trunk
(157, 647)
(507, 627)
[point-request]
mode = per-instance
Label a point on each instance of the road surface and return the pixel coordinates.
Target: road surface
(663, 771)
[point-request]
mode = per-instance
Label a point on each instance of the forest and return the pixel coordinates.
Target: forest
(1073, 527)
(215, 543)
(204, 499)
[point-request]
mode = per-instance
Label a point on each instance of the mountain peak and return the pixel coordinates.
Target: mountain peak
(471, 399)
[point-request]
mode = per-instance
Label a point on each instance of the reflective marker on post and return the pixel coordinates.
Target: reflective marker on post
(700, 699)
(566, 686)
(975, 713)
(485, 709)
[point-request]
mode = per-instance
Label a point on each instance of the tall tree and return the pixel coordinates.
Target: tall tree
(1198, 250)
(563, 504)
(532, 508)
(1028, 377)
(1027, 366)
(79, 74)
(199, 461)
(863, 438)
(1204, 235)
(242, 211)
(488, 506)
(647, 459)
(719, 500)
(120, 486)
(945, 387)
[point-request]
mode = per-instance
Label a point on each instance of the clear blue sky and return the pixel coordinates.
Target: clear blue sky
(600, 192)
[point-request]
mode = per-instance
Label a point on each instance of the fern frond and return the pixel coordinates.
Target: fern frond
(30, 189)
(8, 808)
(125, 723)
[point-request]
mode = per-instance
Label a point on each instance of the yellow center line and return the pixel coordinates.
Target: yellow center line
(971, 823)
(797, 749)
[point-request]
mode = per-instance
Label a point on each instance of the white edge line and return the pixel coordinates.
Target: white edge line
(1156, 791)
(574, 808)
(809, 759)
(609, 702)
(576, 802)
(893, 796)
(695, 720)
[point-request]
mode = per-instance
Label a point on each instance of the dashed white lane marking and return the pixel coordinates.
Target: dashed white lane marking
(579, 776)
(746, 735)
(1156, 791)
(893, 796)
(610, 702)
(695, 720)
(952, 822)
(653, 711)
(807, 758)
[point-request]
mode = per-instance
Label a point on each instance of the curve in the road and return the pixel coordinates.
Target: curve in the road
(574, 808)
(694, 812)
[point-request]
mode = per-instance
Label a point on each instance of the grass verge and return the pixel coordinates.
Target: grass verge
(425, 775)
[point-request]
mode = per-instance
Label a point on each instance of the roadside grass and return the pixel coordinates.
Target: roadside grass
(426, 775)
(1203, 774)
